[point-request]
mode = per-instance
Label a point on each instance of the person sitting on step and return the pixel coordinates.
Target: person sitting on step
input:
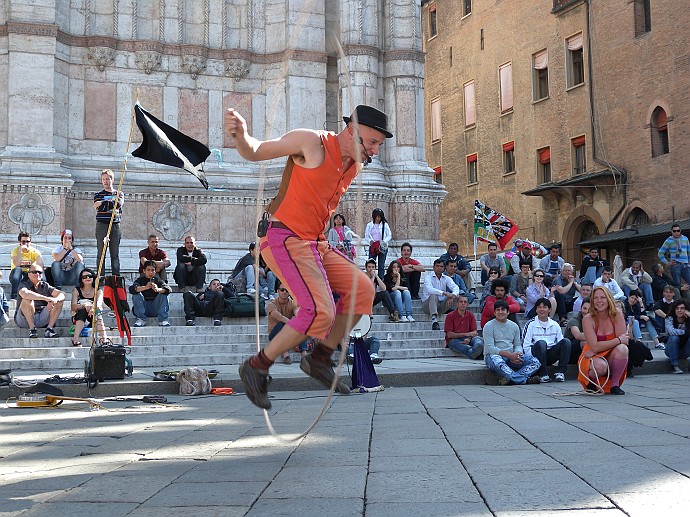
(84, 303)
(382, 295)
(209, 303)
(439, 290)
(150, 297)
(460, 328)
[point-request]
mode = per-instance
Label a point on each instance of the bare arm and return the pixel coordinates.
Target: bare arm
(600, 346)
(304, 145)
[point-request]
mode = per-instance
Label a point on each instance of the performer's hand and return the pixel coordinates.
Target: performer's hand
(234, 123)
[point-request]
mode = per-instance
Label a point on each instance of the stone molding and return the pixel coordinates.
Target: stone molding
(32, 29)
(150, 197)
(16, 188)
(404, 55)
(361, 50)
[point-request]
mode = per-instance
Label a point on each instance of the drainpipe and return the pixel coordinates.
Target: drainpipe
(623, 173)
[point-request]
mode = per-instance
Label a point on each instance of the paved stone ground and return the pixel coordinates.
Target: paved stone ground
(425, 451)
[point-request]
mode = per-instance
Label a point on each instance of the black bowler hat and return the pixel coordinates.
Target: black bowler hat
(371, 117)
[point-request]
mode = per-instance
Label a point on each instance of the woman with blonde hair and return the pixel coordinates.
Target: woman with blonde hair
(604, 360)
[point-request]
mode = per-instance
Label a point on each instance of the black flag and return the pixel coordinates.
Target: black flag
(165, 144)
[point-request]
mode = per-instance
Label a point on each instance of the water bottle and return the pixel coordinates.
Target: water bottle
(389, 336)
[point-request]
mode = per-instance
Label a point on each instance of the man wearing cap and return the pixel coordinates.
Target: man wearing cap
(524, 254)
(320, 167)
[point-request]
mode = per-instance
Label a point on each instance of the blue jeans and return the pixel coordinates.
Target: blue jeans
(458, 345)
(637, 329)
(680, 270)
(559, 352)
(278, 327)
(646, 290)
(592, 274)
(157, 307)
(381, 261)
(16, 277)
(70, 277)
(517, 373)
(401, 298)
(266, 285)
(373, 344)
(675, 351)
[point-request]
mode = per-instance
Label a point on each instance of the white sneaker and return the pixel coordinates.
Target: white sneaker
(404, 319)
(164, 323)
(140, 323)
(375, 358)
(251, 290)
(544, 379)
(410, 319)
(660, 346)
(560, 377)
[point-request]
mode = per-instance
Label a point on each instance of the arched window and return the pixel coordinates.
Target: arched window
(589, 230)
(637, 217)
(659, 131)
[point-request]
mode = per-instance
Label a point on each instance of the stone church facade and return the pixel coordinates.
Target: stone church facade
(70, 73)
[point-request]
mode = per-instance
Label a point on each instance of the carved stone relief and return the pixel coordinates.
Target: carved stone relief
(237, 68)
(101, 57)
(193, 64)
(148, 60)
(172, 220)
(31, 214)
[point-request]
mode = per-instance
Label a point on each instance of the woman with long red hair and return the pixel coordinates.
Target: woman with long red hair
(604, 360)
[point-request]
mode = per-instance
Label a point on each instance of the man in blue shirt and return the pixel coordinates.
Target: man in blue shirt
(677, 247)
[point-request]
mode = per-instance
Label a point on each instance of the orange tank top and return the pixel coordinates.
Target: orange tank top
(307, 198)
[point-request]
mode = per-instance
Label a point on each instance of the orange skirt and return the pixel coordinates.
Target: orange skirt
(584, 366)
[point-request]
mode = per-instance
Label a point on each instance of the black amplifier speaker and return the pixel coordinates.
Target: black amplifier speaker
(108, 362)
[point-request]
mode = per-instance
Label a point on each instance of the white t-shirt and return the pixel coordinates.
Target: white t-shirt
(69, 261)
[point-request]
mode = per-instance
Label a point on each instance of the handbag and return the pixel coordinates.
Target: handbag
(242, 305)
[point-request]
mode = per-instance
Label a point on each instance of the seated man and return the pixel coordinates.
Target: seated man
(382, 295)
(606, 280)
(635, 278)
(460, 328)
(190, 271)
(279, 311)
(21, 258)
(438, 290)
(451, 271)
(523, 254)
(246, 268)
(585, 292)
(503, 352)
(565, 287)
(499, 291)
(492, 260)
(68, 261)
(156, 255)
(373, 345)
(209, 303)
(592, 266)
(411, 269)
(520, 282)
(660, 279)
(543, 338)
(150, 297)
(662, 307)
(464, 267)
(553, 262)
(39, 304)
(573, 331)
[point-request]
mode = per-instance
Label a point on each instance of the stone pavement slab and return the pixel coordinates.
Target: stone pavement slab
(408, 451)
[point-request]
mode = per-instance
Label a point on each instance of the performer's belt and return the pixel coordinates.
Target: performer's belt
(278, 224)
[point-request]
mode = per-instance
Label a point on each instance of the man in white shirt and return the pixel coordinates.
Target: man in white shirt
(438, 289)
(606, 280)
(543, 338)
(636, 278)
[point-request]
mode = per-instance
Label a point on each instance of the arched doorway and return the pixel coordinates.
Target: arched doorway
(580, 226)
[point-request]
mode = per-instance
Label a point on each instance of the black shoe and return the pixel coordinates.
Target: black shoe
(50, 332)
(255, 383)
(435, 326)
(191, 323)
(416, 297)
(323, 373)
(534, 380)
(217, 323)
(615, 390)
(33, 333)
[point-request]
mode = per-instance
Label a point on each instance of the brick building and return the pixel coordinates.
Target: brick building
(568, 116)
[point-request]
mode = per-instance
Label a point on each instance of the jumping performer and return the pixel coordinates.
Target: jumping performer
(320, 167)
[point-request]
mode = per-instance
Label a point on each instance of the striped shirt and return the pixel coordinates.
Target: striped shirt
(677, 249)
(104, 211)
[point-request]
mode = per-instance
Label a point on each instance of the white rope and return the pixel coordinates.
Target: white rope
(600, 387)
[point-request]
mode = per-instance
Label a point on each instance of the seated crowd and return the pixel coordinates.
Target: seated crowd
(555, 303)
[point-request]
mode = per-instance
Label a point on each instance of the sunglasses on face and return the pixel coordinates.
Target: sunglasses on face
(34, 272)
(26, 242)
(493, 273)
(674, 231)
(86, 276)
(538, 276)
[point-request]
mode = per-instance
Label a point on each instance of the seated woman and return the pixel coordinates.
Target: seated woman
(68, 261)
(399, 291)
(537, 289)
(84, 301)
(633, 311)
(678, 328)
(493, 275)
(604, 360)
(340, 236)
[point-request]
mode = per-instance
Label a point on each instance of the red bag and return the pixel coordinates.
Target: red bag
(374, 248)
